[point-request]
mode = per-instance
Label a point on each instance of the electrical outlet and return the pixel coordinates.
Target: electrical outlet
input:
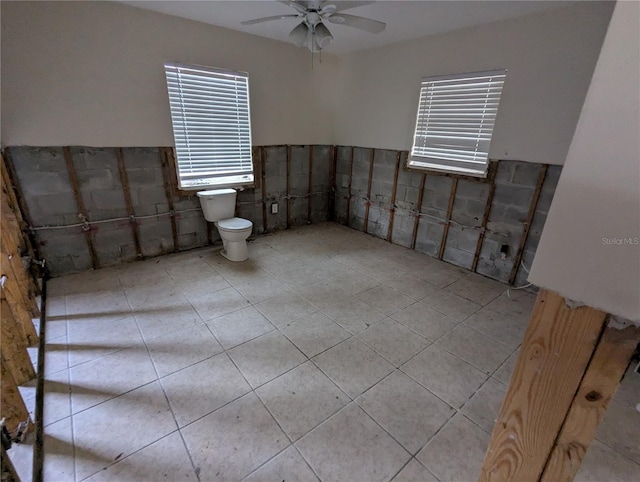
(274, 208)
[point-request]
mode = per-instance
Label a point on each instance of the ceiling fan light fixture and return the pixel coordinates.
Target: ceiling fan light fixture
(300, 34)
(323, 36)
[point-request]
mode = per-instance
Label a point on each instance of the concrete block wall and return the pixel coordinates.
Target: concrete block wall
(45, 184)
(539, 218)
(514, 191)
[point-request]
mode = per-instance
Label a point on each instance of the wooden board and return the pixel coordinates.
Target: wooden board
(12, 407)
(445, 231)
(167, 163)
(556, 350)
(14, 347)
(598, 386)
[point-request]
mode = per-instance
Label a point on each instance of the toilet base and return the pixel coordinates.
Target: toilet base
(235, 250)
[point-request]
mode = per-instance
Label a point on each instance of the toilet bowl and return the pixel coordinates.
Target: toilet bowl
(234, 233)
(219, 206)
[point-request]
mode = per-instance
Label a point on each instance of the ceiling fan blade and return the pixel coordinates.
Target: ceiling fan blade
(342, 6)
(300, 5)
(366, 24)
(268, 19)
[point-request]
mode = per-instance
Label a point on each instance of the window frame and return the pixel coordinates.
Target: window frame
(446, 165)
(230, 181)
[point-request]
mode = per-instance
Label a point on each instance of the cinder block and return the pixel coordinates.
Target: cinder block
(52, 209)
(141, 157)
(155, 236)
(321, 165)
(504, 173)
(472, 190)
(508, 213)
(65, 250)
(408, 178)
(439, 184)
(411, 195)
(428, 237)
(463, 239)
(36, 183)
(103, 199)
(458, 257)
(191, 202)
(149, 195)
(42, 159)
(94, 158)
(526, 174)
(139, 177)
(378, 221)
(96, 179)
(512, 194)
(110, 239)
(402, 229)
(435, 203)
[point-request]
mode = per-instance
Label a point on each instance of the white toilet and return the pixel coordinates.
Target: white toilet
(219, 206)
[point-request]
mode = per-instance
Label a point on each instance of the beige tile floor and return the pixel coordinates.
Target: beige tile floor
(329, 355)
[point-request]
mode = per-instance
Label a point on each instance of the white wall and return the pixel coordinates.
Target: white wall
(550, 57)
(91, 73)
(598, 196)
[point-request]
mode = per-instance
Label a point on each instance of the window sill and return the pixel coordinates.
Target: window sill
(435, 171)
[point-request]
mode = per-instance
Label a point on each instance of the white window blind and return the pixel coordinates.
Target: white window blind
(455, 122)
(211, 125)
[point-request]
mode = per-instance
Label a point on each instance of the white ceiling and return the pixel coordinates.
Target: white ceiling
(405, 19)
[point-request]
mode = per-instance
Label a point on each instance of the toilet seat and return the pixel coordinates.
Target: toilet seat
(234, 224)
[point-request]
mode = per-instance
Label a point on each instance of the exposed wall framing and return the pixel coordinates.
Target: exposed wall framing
(543, 429)
(82, 212)
(127, 197)
(169, 179)
(464, 220)
(17, 307)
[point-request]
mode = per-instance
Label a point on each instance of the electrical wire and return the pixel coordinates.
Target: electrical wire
(519, 287)
(110, 220)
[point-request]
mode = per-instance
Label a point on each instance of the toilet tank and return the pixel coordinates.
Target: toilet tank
(218, 204)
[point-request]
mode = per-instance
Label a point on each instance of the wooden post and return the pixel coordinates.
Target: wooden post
(263, 174)
(14, 347)
(416, 221)
(491, 177)
(288, 205)
(75, 186)
(332, 182)
(452, 198)
(527, 223)
(127, 199)
(310, 195)
(366, 212)
(558, 347)
(10, 179)
(349, 187)
(600, 382)
(11, 293)
(167, 166)
(392, 210)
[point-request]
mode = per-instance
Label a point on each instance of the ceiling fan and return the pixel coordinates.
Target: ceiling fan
(312, 32)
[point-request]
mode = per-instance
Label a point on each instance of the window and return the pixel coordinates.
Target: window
(211, 125)
(455, 122)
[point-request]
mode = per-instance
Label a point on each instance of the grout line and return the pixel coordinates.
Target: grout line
(166, 397)
(281, 330)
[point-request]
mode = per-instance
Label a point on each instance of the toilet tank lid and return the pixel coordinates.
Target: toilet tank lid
(215, 192)
(235, 223)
